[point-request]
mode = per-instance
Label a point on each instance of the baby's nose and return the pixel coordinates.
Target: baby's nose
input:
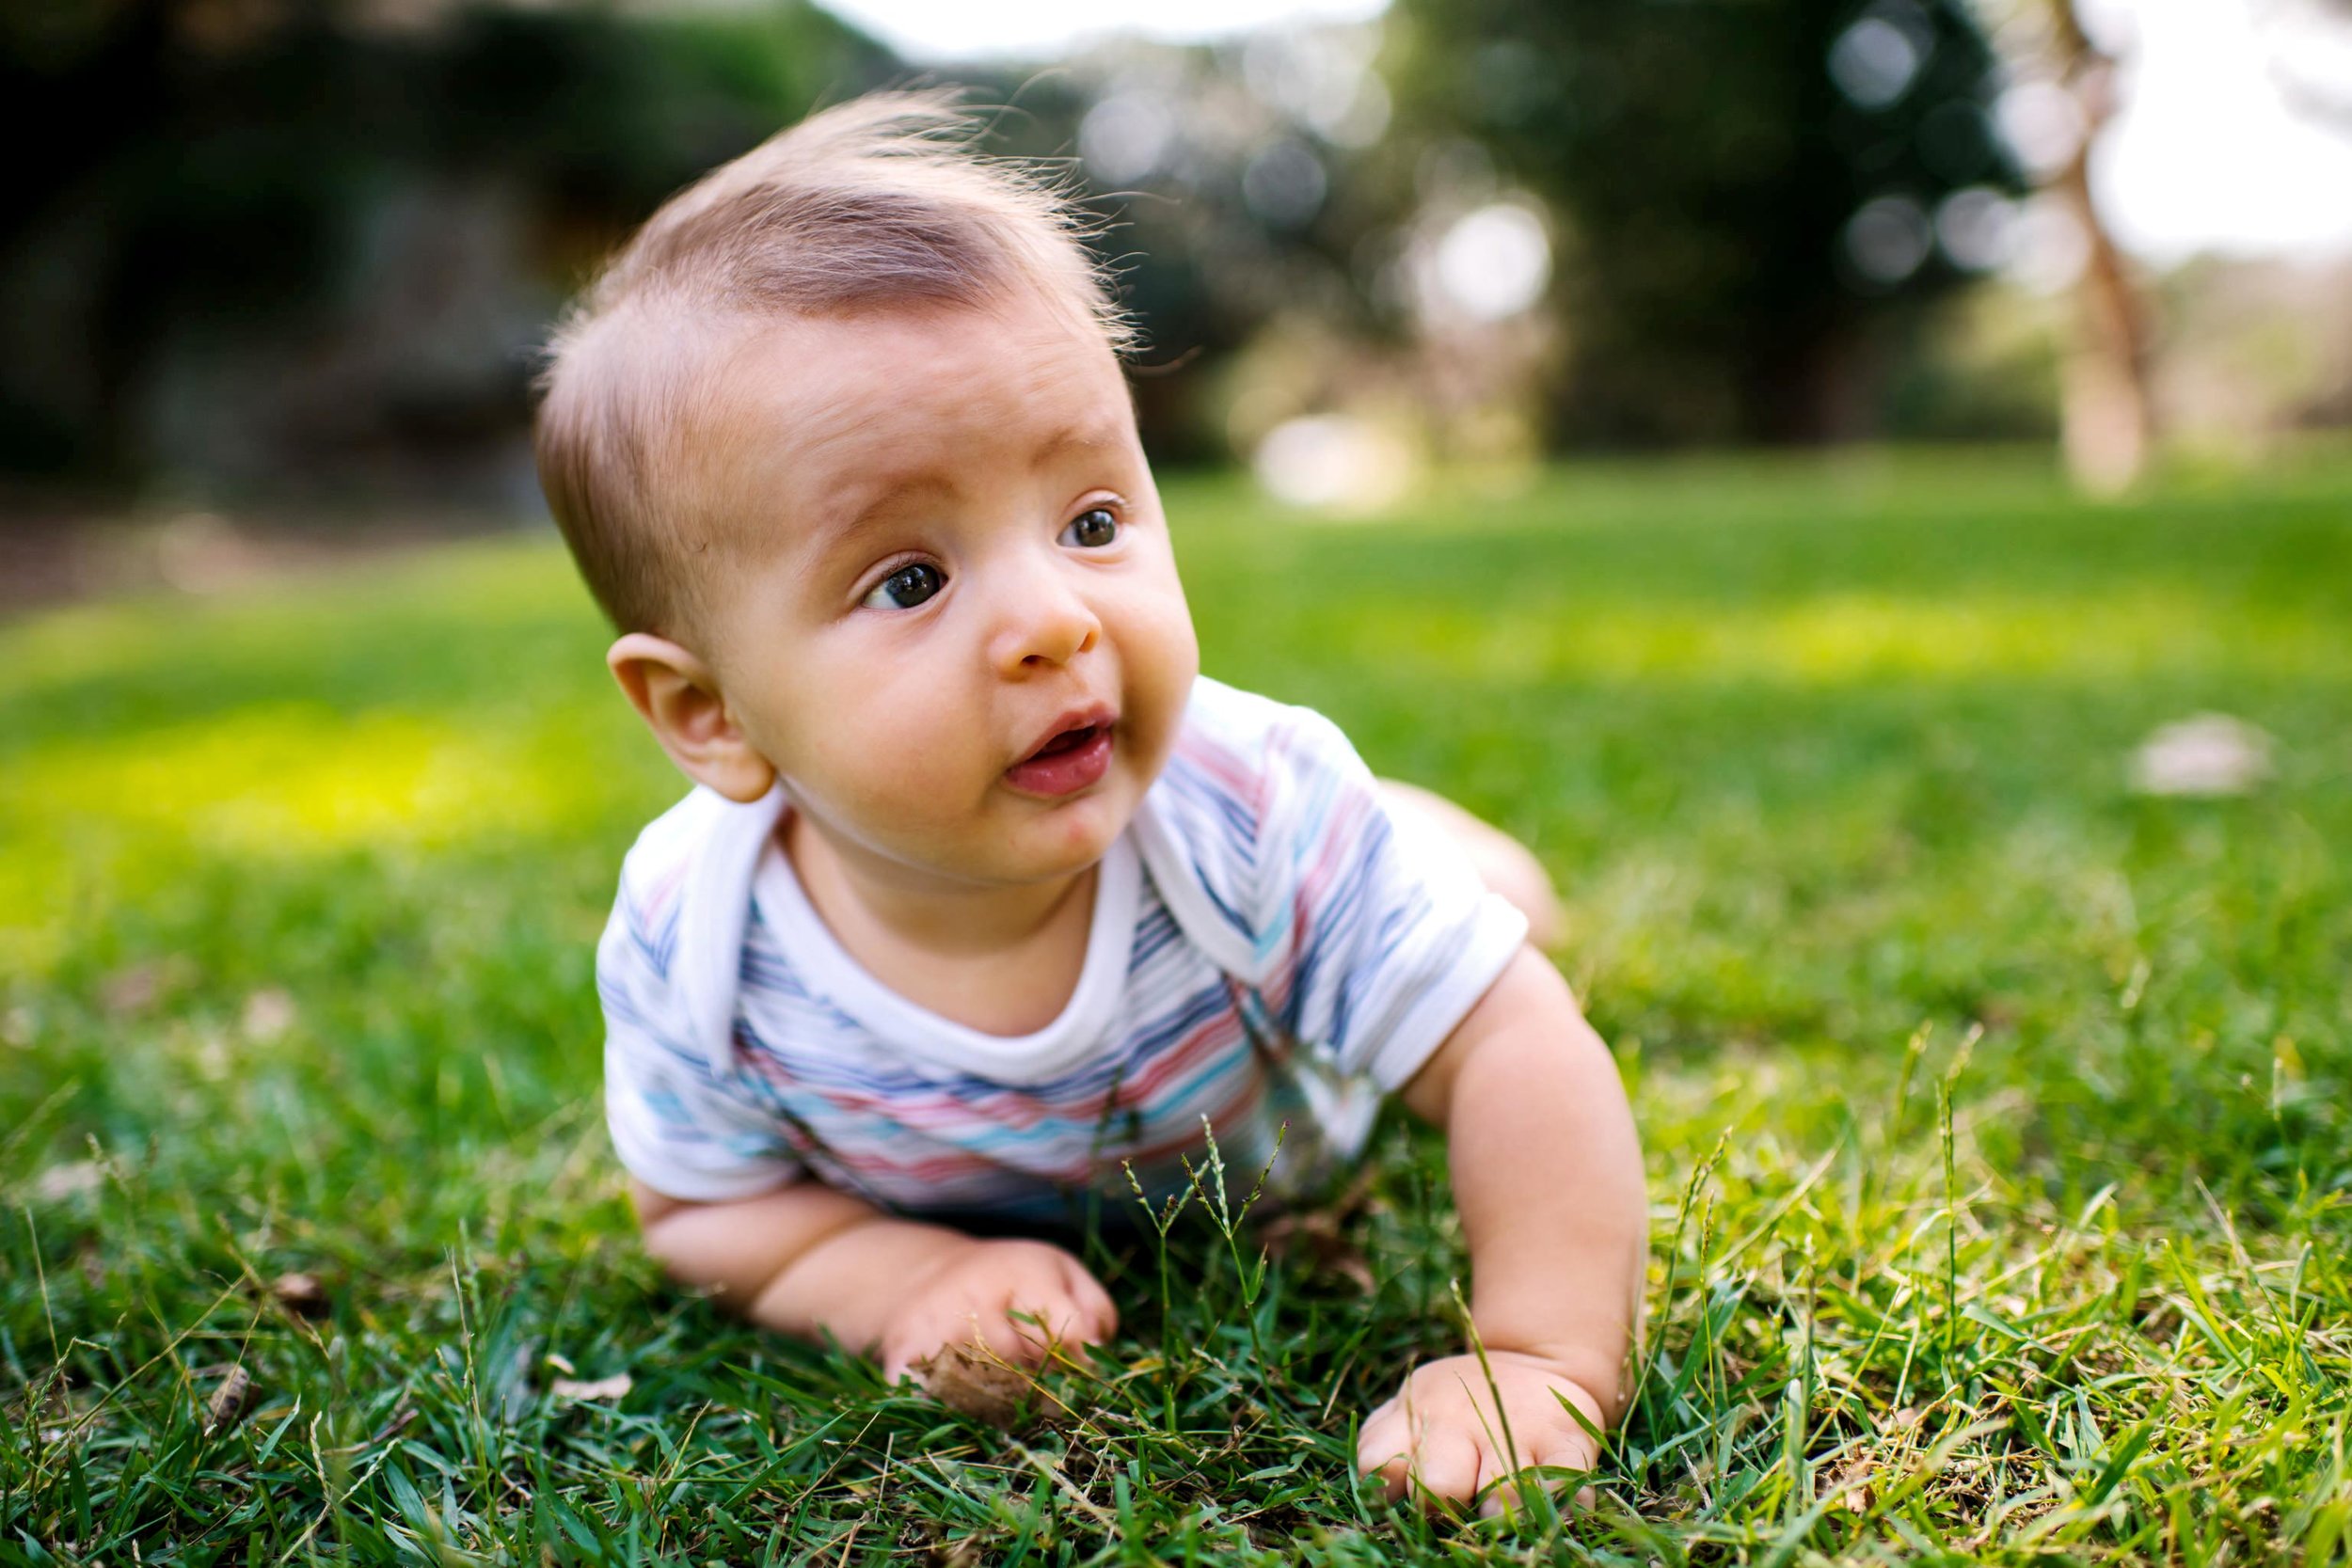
(1045, 624)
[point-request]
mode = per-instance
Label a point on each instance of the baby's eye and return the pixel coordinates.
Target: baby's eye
(905, 588)
(1092, 529)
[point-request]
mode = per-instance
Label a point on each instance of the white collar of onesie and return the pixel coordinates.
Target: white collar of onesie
(829, 969)
(741, 862)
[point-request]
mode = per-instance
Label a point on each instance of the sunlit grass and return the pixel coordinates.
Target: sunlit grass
(471, 708)
(1996, 1118)
(267, 784)
(1849, 638)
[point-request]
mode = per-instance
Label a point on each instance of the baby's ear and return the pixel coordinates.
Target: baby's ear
(679, 699)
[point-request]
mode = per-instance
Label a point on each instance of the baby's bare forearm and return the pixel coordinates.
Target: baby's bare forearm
(1547, 1174)
(805, 1261)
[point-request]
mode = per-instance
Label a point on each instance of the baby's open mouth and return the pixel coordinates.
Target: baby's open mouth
(1068, 740)
(1073, 758)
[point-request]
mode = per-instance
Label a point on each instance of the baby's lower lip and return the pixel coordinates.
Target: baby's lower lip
(1064, 772)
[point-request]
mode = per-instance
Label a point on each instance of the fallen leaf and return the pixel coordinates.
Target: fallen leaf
(301, 1291)
(228, 1401)
(2209, 755)
(1854, 1486)
(984, 1386)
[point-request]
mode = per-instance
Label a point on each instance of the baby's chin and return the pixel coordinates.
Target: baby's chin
(1073, 847)
(1059, 838)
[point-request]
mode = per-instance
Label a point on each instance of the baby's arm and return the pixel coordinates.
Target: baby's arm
(1547, 1177)
(809, 1261)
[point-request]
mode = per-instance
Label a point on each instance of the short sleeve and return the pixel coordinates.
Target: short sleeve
(1376, 934)
(678, 1124)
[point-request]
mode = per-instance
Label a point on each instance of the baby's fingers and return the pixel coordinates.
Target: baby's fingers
(1384, 1447)
(1445, 1469)
(1512, 1493)
(1552, 1462)
(1433, 1462)
(1061, 1331)
(932, 1335)
(1008, 1336)
(1094, 1315)
(966, 1333)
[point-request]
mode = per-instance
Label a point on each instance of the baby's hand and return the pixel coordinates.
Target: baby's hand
(970, 1299)
(1439, 1440)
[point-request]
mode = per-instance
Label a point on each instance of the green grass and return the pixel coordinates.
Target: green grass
(1995, 1117)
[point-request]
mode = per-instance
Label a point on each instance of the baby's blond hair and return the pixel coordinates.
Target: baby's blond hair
(879, 203)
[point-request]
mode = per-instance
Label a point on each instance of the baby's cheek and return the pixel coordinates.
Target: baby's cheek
(921, 786)
(1159, 653)
(895, 784)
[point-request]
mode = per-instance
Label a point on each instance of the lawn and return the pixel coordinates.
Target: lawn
(1996, 1116)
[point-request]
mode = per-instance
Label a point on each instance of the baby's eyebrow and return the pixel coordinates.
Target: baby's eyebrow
(837, 529)
(1075, 437)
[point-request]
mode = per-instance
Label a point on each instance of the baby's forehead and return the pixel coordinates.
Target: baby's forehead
(807, 422)
(893, 386)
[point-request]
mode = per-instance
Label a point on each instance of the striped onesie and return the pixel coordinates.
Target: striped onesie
(1269, 949)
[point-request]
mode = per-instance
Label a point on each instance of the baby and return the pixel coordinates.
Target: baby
(985, 897)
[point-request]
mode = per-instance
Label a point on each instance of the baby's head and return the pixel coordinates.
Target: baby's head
(841, 442)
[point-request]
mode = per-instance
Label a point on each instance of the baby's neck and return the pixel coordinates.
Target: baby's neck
(865, 900)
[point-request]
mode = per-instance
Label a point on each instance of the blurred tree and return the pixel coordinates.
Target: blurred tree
(1757, 196)
(2065, 92)
(218, 181)
(2109, 424)
(1219, 209)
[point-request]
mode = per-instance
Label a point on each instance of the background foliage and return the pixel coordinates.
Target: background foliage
(275, 248)
(1705, 162)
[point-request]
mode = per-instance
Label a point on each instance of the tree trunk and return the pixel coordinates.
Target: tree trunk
(2109, 424)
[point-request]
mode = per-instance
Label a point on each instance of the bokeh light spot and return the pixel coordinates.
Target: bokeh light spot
(1873, 63)
(1331, 461)
(1888, 238)
(1284, 185)
(1126, 136)
(1492, 264)
(1977, 226)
